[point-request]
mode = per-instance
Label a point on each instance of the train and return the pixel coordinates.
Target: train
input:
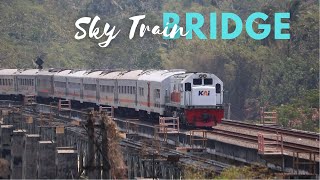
(195, 97)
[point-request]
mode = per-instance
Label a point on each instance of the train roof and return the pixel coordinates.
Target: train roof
(93, 74)
(159, 75)
(110, 74)
(77, 73)
(130, 75)
(63, 72)
(8, 71)
(27, 72)
(46, 72)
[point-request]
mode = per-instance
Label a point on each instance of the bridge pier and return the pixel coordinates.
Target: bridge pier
(5, 145)
(66, 163)
(17, 153)
(46, 168)
(29, 167)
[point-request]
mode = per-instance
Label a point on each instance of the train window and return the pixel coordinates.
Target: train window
(187, 86)
(60, 84)
(157, 93)
(0, 82)
(208, 81)
(106, 89)
(197, 81)
(141, 91)
(32, 84)
(112, 89)
(134, 90)
(218, 88)
(90, 87)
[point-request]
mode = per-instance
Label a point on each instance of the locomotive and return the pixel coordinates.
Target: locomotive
(196, 98)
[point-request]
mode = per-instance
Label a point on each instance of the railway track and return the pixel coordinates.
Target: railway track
(272, 129)
(254, 139)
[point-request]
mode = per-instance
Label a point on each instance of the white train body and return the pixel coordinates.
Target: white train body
(196, 98)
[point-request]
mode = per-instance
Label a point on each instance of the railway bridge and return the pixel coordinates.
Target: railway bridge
(55, 141)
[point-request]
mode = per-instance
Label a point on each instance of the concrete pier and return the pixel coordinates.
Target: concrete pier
(17, 153)
(29, 165)
(5, 144)
(46, 167)
(66, 163)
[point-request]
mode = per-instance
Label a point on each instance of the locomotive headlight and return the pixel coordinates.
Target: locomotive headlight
(202, 75)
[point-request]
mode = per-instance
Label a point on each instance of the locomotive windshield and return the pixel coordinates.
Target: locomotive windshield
(208, 81)
(197, 81)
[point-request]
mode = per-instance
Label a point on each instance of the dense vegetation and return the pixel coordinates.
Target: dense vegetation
(270, 73)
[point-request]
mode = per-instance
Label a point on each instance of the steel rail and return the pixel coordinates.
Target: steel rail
(271, 129)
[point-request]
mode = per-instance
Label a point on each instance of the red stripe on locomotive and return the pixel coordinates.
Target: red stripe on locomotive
(204, 117)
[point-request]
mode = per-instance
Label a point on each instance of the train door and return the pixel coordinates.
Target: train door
(81, 88)
(116, 92)
(16, 84)
(98, 90)
(187, 94)
(51, 85)
(148, 94)
(135, 91)
(36, 84)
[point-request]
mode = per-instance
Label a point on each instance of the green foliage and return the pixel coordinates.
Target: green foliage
(255, 73)
(246, 172)
(194, 172)
(302, 113)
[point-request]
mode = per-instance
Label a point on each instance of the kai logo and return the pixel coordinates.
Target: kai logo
(204, 93)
